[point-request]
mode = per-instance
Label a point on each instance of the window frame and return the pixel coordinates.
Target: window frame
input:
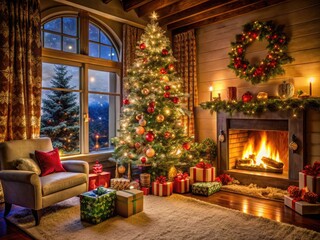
(86, 62)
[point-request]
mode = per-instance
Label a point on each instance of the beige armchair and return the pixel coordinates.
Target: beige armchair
(27, 189)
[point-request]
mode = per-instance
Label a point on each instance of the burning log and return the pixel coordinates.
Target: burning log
(245, 162)
(272, 163)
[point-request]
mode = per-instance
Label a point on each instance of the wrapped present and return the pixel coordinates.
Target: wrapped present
(129, 202)
(302, 207)
(312, 182)
(145, 180)
(97, 205)
(181, 183)
(205, 188)
(120, 183)
(145, 190)
(97, 167)
(202, 172)
(99, 179)
(161, 187)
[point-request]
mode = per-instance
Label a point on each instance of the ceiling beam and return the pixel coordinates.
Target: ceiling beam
(154, 6)
(237, 12)
(178, 7)
(106, 1)
(197, 10)
(133, 4)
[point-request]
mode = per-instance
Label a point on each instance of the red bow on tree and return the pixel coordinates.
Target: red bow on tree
(203, 165)
(161, 180)
(312, 170)
(182, 176)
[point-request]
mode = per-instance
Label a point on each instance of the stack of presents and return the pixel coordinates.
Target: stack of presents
(107, 197)
(305, 198)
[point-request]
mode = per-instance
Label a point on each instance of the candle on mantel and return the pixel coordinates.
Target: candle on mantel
(311, 80)
(210, 90)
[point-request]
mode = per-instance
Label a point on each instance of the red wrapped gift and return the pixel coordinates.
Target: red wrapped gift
(99, 179)
(302, 207)
(161, 187)
(202, 172)
(310, 177)
(145, 190)
(97, 167)
(181, 183)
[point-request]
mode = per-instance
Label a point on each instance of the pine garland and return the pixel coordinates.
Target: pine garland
(276, 57)
(295, 105)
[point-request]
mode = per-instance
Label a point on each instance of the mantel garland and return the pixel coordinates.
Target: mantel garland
(276, 57)
(257, 107)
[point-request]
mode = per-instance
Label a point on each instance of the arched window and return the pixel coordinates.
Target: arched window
(80, 85)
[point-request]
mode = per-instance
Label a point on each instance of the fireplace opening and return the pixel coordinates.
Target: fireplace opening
(259, 151)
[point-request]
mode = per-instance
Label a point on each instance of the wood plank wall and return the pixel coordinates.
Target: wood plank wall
(302, 25)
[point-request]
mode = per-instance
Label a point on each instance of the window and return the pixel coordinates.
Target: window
(80, 95)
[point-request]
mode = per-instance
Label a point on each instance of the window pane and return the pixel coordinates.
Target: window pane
(99, 122)
(93, 49)
(70, 26)
(114, 55)
(52, 41)
(100, 81)
(60, 120)
(105, 52)
(60, 76)
(54, 25)
(93, 33)
(104, 39)
(70, 44)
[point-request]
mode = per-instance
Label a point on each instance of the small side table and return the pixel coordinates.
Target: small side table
(99, 179)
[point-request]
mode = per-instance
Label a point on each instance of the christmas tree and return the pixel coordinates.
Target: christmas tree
(151, 130)
(60, 113)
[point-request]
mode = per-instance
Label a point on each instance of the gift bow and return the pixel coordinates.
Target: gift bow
(161, 180)
(203, 165)
(182, 176)
(312, 170)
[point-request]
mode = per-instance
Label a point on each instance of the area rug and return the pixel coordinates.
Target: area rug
(253, 190)
(174, 217)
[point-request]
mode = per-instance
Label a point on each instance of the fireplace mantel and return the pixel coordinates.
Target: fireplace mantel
(265, 121)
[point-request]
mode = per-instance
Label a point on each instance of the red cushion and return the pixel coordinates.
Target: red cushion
(49, 162)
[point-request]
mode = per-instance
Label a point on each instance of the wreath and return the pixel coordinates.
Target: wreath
(276, 57)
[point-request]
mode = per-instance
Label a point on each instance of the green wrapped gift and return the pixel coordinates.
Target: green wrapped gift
(97, 205)
(205, 188)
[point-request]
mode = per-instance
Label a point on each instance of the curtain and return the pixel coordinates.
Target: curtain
(131, 35)
(20, 69)
(184, 50)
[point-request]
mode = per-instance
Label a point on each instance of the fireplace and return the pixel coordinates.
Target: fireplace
(256, 148)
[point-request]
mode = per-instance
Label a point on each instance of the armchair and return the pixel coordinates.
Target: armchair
(27, 189)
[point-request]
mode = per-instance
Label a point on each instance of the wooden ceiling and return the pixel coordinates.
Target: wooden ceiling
(181, 15)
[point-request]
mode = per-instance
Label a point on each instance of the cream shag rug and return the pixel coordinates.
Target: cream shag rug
(174, 217)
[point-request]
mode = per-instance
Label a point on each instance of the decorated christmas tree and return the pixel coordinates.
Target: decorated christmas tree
(60, 113)
(151, 129)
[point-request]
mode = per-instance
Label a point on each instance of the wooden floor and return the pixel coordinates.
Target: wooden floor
(258, 207)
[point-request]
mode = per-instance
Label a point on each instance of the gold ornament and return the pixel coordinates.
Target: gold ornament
(166, 111)
(262, 96)
(172, 173)
(140, 130)
(121, 169)
(165, 78)
(150, 152)
(160, 118)
(145, 91)
(142, 122)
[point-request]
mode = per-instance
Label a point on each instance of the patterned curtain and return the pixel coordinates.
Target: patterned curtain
(20, 69)
(131, 35)
(184, 50)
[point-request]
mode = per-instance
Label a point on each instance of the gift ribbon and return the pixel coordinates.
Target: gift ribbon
(134, 201)
(161, 180)
(203, 165)
(294, 203)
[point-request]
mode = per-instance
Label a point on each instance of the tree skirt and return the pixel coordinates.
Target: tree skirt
(253, 191)
(174, 217)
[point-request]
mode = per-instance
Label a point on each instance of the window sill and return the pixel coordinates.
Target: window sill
(89, 157)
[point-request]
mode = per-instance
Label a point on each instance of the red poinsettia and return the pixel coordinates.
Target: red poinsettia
(225, 179)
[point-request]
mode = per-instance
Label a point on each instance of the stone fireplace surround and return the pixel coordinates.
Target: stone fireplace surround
(281, 121)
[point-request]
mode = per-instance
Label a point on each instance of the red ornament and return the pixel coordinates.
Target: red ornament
(142, 46)
(163, 71)
(175, 99)
(165, 52)
(167, 135)
(186, 146)
(137, 145)
(150, 136)
(167, 88)
(126, 101)
(143, 160)
(166, 94)
(247, 97)
(239, 51)
(171, 67)
(150, 109)
(152, 104)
